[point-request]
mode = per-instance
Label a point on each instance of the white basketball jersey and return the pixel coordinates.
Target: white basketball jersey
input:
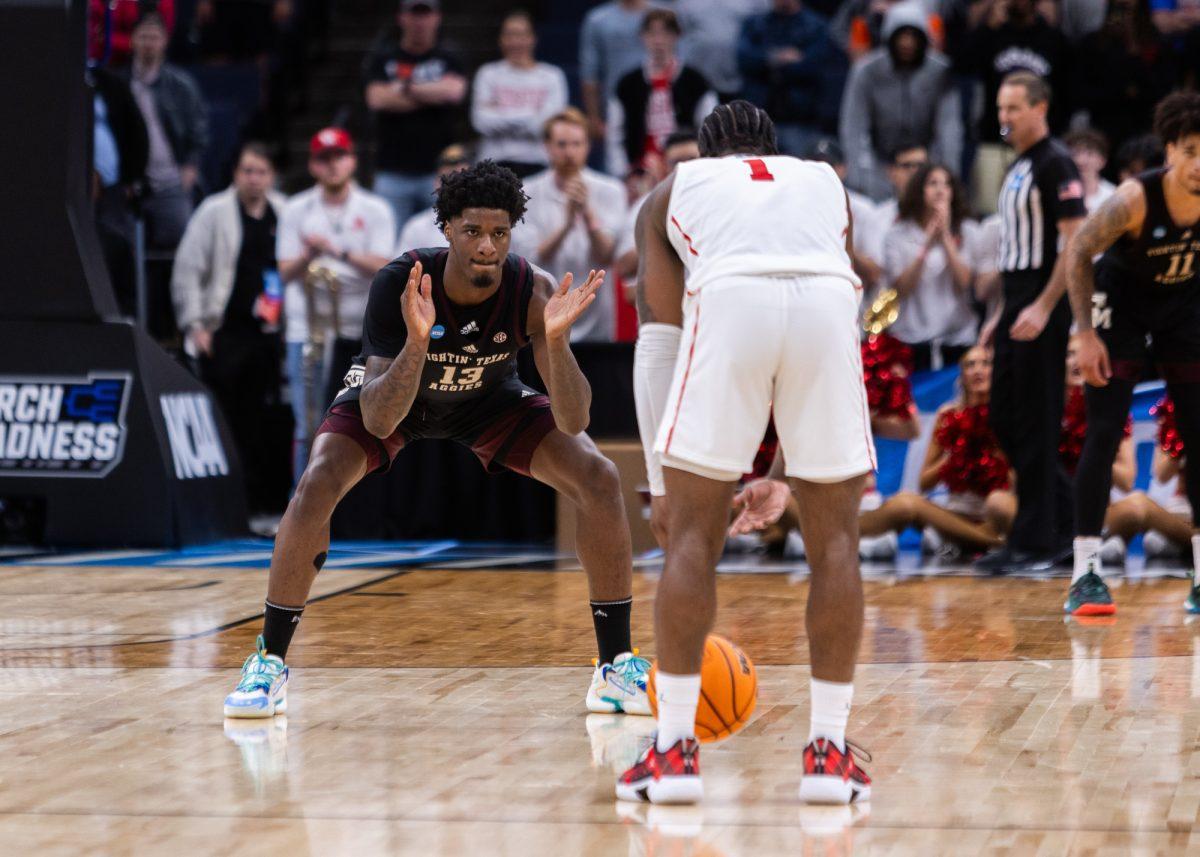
(742, 215)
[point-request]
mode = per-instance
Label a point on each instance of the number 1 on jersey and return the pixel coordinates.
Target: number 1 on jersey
(759, 171)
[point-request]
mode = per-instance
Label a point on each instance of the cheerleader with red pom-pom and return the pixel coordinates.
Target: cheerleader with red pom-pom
(1167, 526)
(963, 453)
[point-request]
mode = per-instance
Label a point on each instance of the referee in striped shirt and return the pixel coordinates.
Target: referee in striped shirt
(1041, 206)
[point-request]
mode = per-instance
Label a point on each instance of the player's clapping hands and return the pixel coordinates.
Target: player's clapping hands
(417, 304)
(567, 304)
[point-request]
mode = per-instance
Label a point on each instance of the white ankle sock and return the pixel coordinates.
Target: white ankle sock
(1087, 556)
(678, 696)
(1195, 559)
(830, 711)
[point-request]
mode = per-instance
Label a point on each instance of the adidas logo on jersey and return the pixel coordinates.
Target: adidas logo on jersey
(470, 349)
(471, 327)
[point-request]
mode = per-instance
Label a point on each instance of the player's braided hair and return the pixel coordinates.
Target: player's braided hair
(485, 185)
(735, 127)
(1177, 116)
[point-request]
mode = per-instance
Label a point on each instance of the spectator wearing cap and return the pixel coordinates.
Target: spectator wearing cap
(513, 97)
(176, 127)
(651, 102)
(903, 90)
(785, 57)
(422, 229)
(416, 91)
(608, 47)
(868, 235)
(349, 232)
(223, 268)
(710, 37)
(1089, 151)
(572, 220)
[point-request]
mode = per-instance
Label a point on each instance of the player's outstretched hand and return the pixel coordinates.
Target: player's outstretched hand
(417, 304)
(567, 304)
(759, 504)
(1091, 355)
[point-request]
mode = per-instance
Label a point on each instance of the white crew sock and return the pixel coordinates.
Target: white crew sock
(1087, 556)
(678, 696)
(1195, 559)
(830, 711)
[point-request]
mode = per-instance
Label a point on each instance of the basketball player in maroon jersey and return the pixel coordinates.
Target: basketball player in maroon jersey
(439, 360)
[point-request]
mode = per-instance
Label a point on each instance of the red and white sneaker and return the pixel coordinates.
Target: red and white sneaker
(831, 774)
(670, 777)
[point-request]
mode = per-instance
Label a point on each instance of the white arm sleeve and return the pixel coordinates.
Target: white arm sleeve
(653, 370)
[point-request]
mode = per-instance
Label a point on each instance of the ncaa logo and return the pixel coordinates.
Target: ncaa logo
(437, 332)
(1159, 231)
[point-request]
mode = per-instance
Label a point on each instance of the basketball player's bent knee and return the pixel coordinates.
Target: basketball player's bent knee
(324, 482)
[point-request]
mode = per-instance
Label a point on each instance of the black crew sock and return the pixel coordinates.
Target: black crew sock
(279, 623)
(611, 619)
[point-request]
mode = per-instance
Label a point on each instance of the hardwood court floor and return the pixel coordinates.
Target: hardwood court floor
(440, 712)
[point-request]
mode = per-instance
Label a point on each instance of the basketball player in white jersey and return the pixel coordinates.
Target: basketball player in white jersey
(747, 301)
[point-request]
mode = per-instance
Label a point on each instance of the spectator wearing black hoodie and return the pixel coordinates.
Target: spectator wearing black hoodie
(901, 91)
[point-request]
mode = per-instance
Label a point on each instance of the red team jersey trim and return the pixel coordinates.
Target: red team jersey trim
(686, 237)
(686, 371)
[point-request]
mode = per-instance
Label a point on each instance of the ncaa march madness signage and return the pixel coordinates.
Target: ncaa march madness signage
(63, 426)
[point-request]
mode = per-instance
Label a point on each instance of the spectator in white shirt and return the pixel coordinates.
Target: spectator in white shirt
(929, 258)
(573, 218)
(348, 231)
(513, 97)
(421, 230)
(1089, 151)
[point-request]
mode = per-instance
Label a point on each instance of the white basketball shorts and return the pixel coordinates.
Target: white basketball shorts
(755, 344)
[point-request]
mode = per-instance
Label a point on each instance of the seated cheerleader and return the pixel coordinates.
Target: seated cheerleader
(963, 454)
(1167, 526)
(887, 376)
(1002, 506)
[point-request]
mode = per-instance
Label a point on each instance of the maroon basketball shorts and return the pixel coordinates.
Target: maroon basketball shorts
(503, 427)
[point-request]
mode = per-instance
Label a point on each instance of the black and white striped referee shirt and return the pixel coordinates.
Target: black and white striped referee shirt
(1041, 188)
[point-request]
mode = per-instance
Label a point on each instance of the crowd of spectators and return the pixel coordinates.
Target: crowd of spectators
(898, 95)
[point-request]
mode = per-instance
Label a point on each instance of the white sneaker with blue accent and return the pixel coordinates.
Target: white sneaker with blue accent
(262, 691)
(620, 687)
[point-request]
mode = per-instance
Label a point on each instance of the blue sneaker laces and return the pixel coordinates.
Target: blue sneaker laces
(259, 671)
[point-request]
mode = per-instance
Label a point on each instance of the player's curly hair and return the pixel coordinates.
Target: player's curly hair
(485, 185)
(1177, 116)
(737, 127)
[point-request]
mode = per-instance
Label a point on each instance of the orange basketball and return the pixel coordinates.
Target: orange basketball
(728, 690)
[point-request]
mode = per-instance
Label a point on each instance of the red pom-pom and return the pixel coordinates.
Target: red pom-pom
(975, 463)
(887, 371)
(1169, 440)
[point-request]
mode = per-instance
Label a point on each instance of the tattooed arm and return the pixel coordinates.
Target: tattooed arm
(390, 385)
(1123, 213)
